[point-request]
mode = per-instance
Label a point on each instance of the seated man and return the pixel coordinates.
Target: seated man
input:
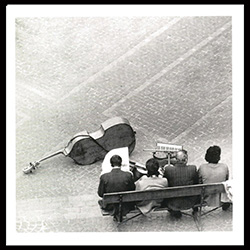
(181, 174)
(153, 180)
(123, 153)
(116, 181)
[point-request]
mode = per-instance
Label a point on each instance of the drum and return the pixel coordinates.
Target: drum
(163, 159)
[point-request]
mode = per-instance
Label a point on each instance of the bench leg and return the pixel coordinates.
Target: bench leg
(131, 217)
(211, 210)
(197, 216)
(120, 210)
(197, 219)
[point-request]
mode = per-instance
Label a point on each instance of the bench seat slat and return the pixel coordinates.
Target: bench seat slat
(169, 192)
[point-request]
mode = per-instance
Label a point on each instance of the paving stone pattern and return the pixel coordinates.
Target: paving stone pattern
(171, 77)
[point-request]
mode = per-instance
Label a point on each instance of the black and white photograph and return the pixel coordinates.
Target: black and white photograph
(125, 124)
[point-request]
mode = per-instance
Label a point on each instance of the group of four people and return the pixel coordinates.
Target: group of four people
(179, 174)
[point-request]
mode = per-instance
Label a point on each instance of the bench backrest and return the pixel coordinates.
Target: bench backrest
(169, 192)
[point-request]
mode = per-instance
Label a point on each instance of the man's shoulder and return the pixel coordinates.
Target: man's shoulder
(169, 167)
(169, 170)
(117, 172)
(192, 166)
(105, 175)
(127, 174)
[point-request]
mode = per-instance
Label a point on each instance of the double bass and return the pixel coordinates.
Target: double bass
(86, 148)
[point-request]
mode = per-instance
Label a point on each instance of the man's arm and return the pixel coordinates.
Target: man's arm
(200, 176)
(196, 176)
(101, 187)
(227, 174)
(131, 184)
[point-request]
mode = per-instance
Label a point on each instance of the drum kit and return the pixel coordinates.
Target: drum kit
(164, 153)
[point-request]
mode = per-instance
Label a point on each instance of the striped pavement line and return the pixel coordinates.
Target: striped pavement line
(198, 122)
(23, 119)
(121, 58)
(108, 112)
(36, 91)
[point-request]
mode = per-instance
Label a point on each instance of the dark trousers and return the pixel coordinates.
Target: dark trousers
(113, 209)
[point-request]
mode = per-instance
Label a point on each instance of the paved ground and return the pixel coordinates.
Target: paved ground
(169, 76)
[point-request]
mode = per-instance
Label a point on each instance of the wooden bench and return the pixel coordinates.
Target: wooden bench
(171, 192)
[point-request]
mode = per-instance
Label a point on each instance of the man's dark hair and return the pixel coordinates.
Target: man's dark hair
(213, 154)
(152, 166)
(116, 160)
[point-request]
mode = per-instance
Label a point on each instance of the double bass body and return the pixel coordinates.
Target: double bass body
(87, 148)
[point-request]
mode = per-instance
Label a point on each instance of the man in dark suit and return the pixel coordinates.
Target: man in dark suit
(181, 174)
(116, 181)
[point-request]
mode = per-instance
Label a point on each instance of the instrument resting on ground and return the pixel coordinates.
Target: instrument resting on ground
(86, 148)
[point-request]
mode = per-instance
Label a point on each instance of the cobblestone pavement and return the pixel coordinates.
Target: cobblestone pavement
(171, 77)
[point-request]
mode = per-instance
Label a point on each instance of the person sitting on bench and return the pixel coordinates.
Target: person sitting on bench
(213, 172)
(116, 181)
(152, 180)
(181, 174)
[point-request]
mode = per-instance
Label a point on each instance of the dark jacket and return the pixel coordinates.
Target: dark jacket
(181, 175)
(115, 181)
